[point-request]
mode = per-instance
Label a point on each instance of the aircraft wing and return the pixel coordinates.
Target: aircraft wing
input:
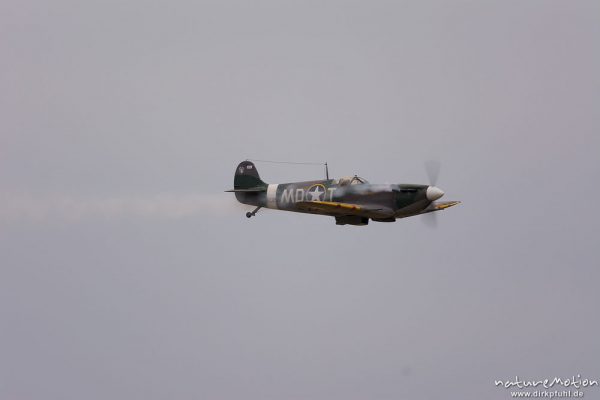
(339, 209)
(445, 204)
(442, 205)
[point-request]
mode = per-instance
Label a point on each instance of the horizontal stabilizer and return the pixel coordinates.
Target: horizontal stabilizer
(249, 190)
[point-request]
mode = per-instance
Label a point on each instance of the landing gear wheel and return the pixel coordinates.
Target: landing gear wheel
(253, 213)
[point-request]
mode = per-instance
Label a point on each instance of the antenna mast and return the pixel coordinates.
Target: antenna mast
(292, 162)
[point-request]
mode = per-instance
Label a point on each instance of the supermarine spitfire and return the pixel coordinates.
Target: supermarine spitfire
(351, 200)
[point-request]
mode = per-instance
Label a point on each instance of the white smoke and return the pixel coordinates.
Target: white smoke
(36, 208)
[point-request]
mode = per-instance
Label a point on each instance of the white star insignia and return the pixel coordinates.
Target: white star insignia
(315, 194)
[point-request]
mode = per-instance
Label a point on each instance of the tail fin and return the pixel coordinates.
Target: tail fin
(246, 177)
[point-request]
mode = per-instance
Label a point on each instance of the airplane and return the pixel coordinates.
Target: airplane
(351, 200)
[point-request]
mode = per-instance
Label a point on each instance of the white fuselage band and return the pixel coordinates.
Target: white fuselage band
(272, 196)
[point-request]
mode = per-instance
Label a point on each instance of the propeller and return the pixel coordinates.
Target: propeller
(433, 171)
(432, 167)
(430, 219)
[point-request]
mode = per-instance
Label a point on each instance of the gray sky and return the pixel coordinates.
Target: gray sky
(126, 273)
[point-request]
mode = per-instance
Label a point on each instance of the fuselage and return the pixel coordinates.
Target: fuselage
(401, 200)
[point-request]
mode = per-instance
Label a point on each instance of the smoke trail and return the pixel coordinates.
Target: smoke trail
(27, 207)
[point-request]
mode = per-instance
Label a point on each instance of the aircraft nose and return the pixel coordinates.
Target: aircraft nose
(434, 193)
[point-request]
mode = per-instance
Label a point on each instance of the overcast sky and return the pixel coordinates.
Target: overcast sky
(127, 273)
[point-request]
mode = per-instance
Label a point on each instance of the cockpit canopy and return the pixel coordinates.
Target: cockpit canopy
(351, 180)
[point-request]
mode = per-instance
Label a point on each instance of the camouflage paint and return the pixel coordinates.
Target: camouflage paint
(350, 204)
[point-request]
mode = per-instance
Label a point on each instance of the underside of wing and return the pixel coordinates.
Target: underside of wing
(340, 209)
